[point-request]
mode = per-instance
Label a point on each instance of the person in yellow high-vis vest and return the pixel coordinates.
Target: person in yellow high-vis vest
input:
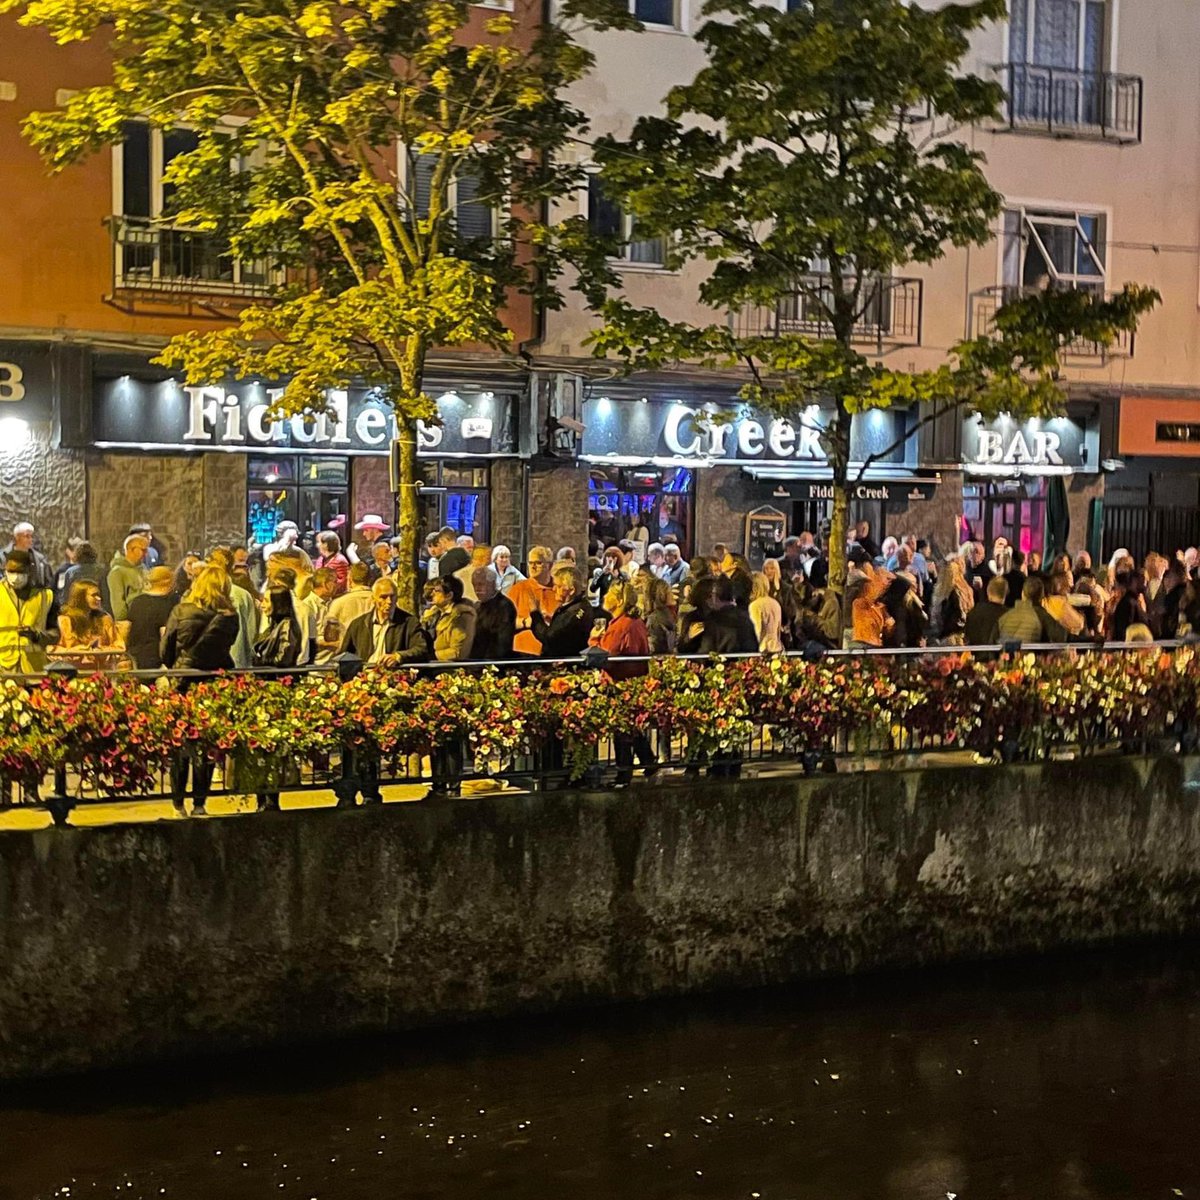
(24, 617)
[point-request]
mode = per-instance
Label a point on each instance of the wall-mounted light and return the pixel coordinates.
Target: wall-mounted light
(14, 433)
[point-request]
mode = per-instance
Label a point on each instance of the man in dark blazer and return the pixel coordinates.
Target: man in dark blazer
(387, 635)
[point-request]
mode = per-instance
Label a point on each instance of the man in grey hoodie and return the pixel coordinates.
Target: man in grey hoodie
(126, 577)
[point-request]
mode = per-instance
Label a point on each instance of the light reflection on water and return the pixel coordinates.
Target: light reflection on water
(1075, 1079)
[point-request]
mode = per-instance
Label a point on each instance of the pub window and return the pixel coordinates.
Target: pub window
(312, 490)
(458, 495)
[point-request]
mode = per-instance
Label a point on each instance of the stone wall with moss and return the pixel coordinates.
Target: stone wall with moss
(143, 942)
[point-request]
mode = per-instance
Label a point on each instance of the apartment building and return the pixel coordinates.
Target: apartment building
(94, 437)
(1098, 160)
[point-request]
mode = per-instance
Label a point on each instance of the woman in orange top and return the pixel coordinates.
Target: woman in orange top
(869, 618)
(625, 636)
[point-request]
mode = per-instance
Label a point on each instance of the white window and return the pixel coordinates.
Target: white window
(152, 252)
(473, 218)
(606, 219)
(663, 13)
(1058, 247)
(1058, 55)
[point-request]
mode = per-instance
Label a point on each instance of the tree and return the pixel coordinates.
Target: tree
(812, 155)
(302, 111)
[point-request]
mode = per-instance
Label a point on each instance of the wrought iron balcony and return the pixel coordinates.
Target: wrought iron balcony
(986, 303)
(168, 260)
(890, 314)
(1073, 104)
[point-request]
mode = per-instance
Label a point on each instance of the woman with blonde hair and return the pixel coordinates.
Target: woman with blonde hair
(202, 628)
(953, 599)
(766, 615)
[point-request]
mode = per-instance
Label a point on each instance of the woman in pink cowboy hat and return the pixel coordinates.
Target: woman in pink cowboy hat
(370, 529)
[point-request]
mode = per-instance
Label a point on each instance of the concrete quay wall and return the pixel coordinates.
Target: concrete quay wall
(143, 942)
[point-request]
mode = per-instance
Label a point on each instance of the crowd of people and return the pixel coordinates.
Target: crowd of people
(285, 608)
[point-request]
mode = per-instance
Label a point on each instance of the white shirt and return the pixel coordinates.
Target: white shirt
(380, 641)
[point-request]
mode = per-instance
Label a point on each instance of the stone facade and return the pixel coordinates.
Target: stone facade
(370, 491)
(508, 523)
(1082, 490)
(558, 500)
(224, 499)
(44, 486)
(935, 519)
(724, 495)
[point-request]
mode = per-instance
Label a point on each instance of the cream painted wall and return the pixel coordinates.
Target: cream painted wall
(1149, 191)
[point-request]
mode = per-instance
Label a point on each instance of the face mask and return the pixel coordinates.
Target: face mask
(17, 580)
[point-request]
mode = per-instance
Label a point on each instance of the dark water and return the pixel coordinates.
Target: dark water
(1077, 1078)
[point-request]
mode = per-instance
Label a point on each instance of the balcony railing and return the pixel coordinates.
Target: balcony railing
(891, 310)
(169, 260)
(1077, 104)
(986, 303)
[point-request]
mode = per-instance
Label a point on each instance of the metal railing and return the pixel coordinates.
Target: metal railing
(987, 302)
(351, 773)
(1067, 103)
(891, 312)
(154, 258)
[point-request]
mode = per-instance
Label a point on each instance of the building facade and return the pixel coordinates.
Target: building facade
(1097, 159)
(94, 437)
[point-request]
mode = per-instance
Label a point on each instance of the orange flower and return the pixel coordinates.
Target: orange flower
(560, 685)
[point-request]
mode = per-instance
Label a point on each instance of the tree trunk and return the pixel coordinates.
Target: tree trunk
(408, 580)
(408, 570)
(837, 535)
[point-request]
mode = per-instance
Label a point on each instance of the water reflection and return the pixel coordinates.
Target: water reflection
(1078, 1079)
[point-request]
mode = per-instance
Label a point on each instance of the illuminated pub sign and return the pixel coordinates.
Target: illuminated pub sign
(166, 415)
(1053, 446)
(624, 429)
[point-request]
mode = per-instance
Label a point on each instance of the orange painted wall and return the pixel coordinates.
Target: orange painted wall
(1139, 419)
(54, 248)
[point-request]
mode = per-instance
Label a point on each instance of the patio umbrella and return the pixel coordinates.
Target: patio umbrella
(1058, 518)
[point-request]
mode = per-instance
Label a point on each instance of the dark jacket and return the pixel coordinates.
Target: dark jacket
(566, 634)
(453, 560)
(81, 572)
(1016, 584)
(405, 638)
(495, 628)
(199, 639)
(148, 617)
(983, 624)
(910, 621)
(948, 617)
(726, 631)
(279, 645)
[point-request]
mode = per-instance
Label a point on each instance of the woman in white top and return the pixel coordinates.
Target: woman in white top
(505, 571)
(639, 535)
(766, 616)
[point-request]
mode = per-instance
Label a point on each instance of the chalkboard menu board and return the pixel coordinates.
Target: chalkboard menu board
(766, 528)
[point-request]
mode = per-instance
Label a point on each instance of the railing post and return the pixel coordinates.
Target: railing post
(60, 802)
(345, 788)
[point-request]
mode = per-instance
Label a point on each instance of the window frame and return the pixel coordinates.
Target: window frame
(1063, 210)
(678, 25)
(622, 261)
(406, 193)
(156, 217)
(1112, 25)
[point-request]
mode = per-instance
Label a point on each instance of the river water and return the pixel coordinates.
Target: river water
(1072, 1078)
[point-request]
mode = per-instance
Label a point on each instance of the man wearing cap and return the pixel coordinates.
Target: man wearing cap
(370, 529)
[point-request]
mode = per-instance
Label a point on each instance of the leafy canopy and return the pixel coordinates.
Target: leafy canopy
(814, 154)
(329, 138)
